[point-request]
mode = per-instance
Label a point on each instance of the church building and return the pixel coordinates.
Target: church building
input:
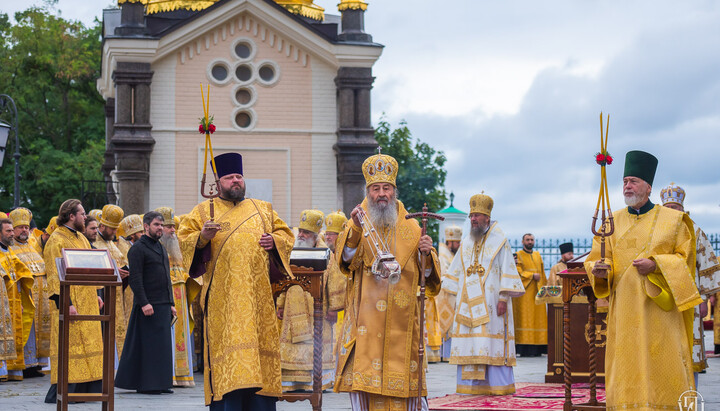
(289, 90)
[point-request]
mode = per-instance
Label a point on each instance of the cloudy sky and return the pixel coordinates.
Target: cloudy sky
(511, 91)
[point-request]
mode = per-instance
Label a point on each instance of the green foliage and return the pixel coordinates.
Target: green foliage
(49, 66)
(421, 175)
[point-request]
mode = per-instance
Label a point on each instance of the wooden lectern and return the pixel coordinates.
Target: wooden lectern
(575, 283)
(308, 266)
(79, 267)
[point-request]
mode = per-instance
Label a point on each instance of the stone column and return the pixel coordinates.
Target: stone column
(356, 136)
(132, 140)
(109, 163)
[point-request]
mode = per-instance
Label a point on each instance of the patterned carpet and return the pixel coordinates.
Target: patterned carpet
(528, 397)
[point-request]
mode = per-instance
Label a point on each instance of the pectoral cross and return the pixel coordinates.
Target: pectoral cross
(35, 267)
(476, 268)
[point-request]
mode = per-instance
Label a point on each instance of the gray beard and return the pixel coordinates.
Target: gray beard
(306, 243)
(383, 216)
(478, 232)
(172, 245)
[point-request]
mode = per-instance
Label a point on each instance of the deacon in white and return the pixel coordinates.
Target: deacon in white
(707, 276)
(482, 279)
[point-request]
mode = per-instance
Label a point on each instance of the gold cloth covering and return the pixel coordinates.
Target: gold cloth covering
(530, 319)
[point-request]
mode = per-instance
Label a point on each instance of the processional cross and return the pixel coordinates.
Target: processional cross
(424, 217)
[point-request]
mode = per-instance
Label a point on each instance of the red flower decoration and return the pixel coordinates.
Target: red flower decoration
(603, 159)
(599, 158)
(211, 127)
(201, 129)
(206, 126)
(608, 159)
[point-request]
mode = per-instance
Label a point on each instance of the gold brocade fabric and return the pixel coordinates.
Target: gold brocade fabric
(121, 319)
(241, 336)
(85, 360)
(22, 309)
(445, 302)
(128, 297)
(647, 361)
(553, 279)
(379, 340)
(530, 318)
(34, 261)
(7, 332)
(716, 321)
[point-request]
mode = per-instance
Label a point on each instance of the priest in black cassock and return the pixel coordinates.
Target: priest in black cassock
(146, 361)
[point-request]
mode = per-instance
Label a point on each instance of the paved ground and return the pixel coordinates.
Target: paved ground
(29, 394)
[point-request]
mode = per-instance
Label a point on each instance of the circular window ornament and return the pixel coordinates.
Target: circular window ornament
(268, 73)
(244, 96)
(244, 73)
(244, 49)
(218, 72)
(244, 119)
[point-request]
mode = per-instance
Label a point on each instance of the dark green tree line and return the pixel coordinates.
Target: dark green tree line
(49, 67)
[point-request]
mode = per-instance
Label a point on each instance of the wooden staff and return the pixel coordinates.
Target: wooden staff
(424, 216)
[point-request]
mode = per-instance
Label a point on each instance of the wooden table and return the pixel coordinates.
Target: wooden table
(575, 283)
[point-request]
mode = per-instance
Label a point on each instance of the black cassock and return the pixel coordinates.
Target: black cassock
(146, 361)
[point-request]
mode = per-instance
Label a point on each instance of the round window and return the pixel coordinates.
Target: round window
(243, 50)
(219, 72)
(243, 72)
(267, 73)
(243, 96)
(243, 119)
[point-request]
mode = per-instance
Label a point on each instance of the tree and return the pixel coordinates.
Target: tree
(421, 175)
(49, 66)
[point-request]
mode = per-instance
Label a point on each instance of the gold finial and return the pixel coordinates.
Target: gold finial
(379, 149)
(352, 5)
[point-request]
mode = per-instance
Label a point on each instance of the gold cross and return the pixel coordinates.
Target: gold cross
(701, 249)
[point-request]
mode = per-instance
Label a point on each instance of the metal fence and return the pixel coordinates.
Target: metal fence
(548, 248)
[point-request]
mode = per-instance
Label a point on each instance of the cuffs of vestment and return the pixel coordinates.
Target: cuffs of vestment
(354, 236)
(503, 298)
(202, 242)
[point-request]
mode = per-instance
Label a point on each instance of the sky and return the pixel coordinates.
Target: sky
(512, 91)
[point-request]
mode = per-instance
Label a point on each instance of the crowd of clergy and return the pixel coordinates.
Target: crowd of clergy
(658, 273)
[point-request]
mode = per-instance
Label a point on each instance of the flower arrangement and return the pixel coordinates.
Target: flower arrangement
(206, 125)
(603, 158)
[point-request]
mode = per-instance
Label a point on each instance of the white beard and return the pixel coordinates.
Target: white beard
(306, 243)
(383, 216)
(633, 200)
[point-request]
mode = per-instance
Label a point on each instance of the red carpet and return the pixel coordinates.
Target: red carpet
(528, 397)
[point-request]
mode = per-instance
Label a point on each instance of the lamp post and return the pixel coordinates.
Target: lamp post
(7, 103)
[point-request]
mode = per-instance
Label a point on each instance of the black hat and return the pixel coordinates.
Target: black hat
(228, 163)
(566, 248)
(641, 165)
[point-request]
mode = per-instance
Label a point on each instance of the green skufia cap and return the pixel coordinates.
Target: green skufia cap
(641, 165)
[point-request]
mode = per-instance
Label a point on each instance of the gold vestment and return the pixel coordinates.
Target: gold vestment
(649, 323)
(379, 341)
(530, 318)
(121, 320)
(241, 335)
(85, 360)
(18, 285)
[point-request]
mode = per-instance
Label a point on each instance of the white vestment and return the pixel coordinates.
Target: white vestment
(482, 274)
(707, 276)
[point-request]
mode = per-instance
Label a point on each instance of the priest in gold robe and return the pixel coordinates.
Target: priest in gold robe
(566, 254)
(648, 274)
(185, 289)
(130, 231)
(445, 307)
(18, 286)
(37, 348)
(530, 318)
(379, 363)
(237, 254)
(482, 279)
(335, 224)
(107, 228)
(86, 350)
(296, 308)
(707, 276)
